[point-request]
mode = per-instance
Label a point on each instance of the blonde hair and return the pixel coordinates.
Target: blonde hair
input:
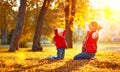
(94, 24)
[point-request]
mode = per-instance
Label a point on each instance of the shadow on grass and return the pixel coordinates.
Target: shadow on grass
(71, 65)
(6, 52)
(106, 64)
(20, 67)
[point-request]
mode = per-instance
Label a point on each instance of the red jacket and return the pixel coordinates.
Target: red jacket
(59, 40)
(90, 44)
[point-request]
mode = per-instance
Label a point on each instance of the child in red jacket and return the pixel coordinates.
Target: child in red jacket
(89, 47)
(60, 43)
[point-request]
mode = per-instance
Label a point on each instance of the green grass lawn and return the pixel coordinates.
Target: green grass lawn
(108, 60)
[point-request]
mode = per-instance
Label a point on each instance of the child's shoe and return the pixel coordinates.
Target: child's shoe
(92, 58)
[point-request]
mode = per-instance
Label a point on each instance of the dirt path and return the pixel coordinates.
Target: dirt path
(112, 48)
(4, 46)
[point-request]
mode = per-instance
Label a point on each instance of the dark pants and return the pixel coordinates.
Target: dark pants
(84, 55)
(60, 53)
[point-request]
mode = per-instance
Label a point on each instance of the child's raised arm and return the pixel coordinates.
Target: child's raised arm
(55, 29)
(54, 26)
(96, 33)
(86, 26)
(63, 33)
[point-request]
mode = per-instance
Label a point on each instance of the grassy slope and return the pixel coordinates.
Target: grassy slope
(27, 61)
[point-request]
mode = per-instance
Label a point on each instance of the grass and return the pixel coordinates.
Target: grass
(26, 61)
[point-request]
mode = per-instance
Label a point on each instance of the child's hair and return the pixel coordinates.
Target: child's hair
(94, 23)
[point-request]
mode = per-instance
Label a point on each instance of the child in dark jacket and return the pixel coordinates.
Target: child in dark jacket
(60, 43)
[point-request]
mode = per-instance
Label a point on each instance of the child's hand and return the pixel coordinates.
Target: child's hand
(54, 26)
(99, 27)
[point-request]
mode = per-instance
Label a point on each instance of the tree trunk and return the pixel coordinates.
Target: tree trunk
(67, 25)
(69, 18)
(36, 43)
(4, 27)
(71, 22)
(14, 45)
(4, 36)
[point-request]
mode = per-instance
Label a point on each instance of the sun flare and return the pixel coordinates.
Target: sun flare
(109, 9)
(113, 4)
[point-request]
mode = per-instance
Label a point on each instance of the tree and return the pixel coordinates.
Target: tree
(5, 14)
(19, 26)
(36, 42)
(69, 18)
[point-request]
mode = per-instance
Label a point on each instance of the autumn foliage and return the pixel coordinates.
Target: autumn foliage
(26, 61)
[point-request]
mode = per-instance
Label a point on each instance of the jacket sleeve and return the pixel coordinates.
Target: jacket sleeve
(83, 45)
(56, 31)
(63, 33)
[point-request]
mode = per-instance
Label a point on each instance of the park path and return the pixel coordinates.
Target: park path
(4, 46)
(112, 48)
